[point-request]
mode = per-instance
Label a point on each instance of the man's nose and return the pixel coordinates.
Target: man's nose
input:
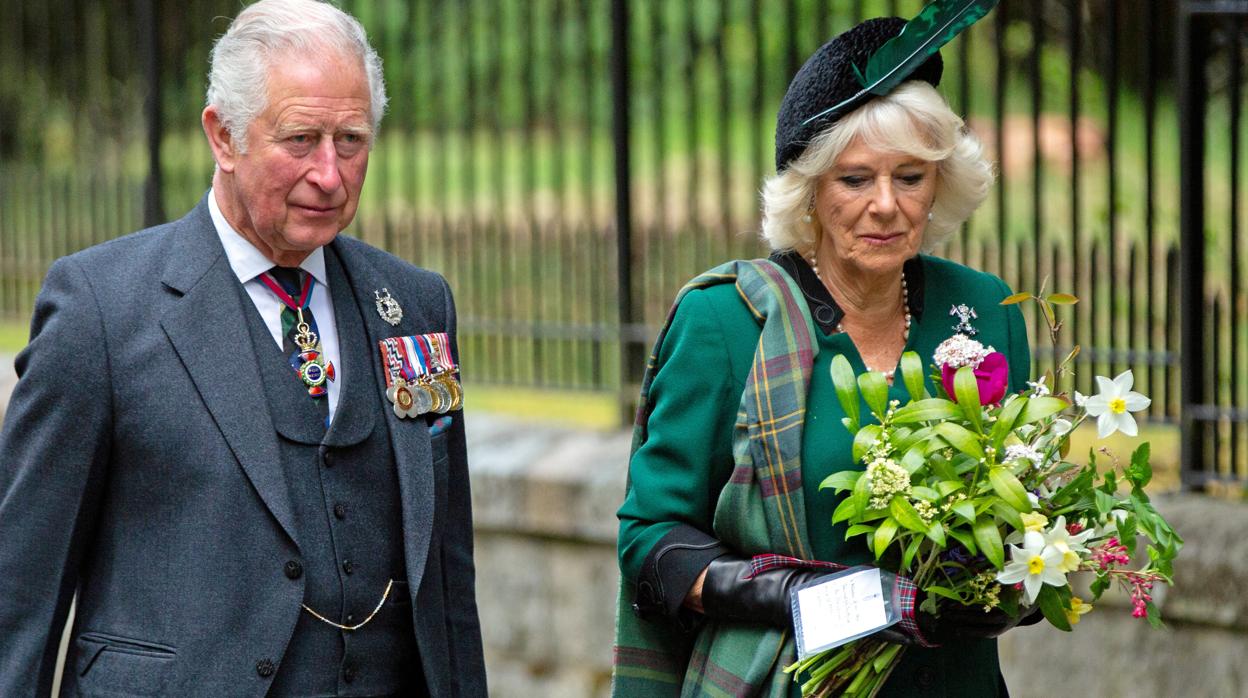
(324, 173)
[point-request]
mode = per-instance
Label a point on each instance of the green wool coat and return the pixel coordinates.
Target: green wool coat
(678, 472)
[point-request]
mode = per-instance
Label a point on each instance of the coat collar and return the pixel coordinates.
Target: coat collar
(823, 308)
(207, 328)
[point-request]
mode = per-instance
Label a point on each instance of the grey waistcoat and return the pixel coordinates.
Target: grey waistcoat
(348, 520)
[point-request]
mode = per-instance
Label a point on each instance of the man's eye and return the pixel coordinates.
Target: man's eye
(301, 139)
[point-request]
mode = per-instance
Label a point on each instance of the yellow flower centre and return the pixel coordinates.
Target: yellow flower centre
(1117, 405)
(1035, 565)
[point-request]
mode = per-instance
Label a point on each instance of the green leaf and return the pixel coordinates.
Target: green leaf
(914, 459)
(1040, 407)
(847, 509)
(846, 385)
(1009, 488)
(936, 532)
(1061, 299)
(965, 539)
(933, 408)
(944, 488)
(865, 439)
(875, 391)
(912, 374)
(1008, 514)
(1052, 607)
(1006, 417)
(884, 535)
(966, 388)
(964, 509)
(1126, 533)
(858, 530)
(943, 591)
(843, 480)
(989, 540)
(926, 493)
(908, 556)
(943, 469)
(901, 510)
(1140, 471)
(960, 438)
(1016, 299)
(1104, 502)
(1099, 585)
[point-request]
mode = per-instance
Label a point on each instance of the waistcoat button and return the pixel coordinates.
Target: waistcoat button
(265, 668)
(294, 570)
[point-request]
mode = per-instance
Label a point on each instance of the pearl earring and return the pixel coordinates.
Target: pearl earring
(929, 215)
(807, 219)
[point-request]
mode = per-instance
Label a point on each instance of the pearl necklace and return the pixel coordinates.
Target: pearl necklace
(905, 305)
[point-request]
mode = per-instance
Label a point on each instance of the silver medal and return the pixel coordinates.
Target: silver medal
(387, 307)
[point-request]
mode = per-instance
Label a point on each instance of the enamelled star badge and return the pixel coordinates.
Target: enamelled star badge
(421, 375)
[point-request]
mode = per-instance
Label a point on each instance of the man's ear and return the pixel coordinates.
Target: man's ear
(224, 148)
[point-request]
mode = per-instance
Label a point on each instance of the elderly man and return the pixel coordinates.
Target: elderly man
(236, 436)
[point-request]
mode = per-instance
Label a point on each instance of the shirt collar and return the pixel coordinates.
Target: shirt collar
(246, 261)
(823, 308)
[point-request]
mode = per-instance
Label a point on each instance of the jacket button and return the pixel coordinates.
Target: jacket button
(265, 668)
(348, 566)
(340, 511)
(348, 673)
(925, 677)
(294, 570)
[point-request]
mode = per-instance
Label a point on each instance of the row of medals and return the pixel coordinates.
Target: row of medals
(437, 392)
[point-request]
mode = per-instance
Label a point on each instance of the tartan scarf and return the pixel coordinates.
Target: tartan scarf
(760, 510)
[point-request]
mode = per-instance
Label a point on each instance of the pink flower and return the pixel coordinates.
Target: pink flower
(992, 375)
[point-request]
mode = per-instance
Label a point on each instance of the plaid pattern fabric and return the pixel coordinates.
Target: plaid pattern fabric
(763, 563)
(906, 592)
(760, 510)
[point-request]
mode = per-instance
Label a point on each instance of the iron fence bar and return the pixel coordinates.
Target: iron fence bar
(149, 47)
(1235, 284)
(631, 351)
(1192, 92)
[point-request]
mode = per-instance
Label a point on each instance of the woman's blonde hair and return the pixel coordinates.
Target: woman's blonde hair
(912, 119)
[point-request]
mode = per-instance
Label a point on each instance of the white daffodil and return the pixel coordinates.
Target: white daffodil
(1081, 400)
(1035, 564)
(1114, 404)
(1038, 388)
(1069, 546)
(1061, 427)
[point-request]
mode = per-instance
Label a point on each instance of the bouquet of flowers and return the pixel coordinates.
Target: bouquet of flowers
(969, 494)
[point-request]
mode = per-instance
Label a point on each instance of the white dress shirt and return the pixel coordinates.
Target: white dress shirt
(248, 264)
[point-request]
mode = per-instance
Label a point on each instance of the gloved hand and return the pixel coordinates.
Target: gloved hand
(728, 593)
(959, 622)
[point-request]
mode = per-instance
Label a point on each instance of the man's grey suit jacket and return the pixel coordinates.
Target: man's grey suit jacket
(139, 467)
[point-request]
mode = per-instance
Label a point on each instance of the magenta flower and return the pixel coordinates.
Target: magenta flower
(992, 375)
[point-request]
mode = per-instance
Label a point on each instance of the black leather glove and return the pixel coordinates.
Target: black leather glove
(959, 622)
(728, 593)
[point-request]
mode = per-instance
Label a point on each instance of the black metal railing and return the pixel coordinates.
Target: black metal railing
(567, 164)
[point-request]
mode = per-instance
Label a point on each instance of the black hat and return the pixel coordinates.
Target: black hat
(828, 79)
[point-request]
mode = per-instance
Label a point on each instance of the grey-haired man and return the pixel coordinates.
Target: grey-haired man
(236, 437)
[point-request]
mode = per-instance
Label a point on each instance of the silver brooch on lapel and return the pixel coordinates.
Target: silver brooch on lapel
(964, 313)
(387, 307)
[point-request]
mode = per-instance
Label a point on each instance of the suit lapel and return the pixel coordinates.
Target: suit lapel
(408, 437)
(207, 328)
